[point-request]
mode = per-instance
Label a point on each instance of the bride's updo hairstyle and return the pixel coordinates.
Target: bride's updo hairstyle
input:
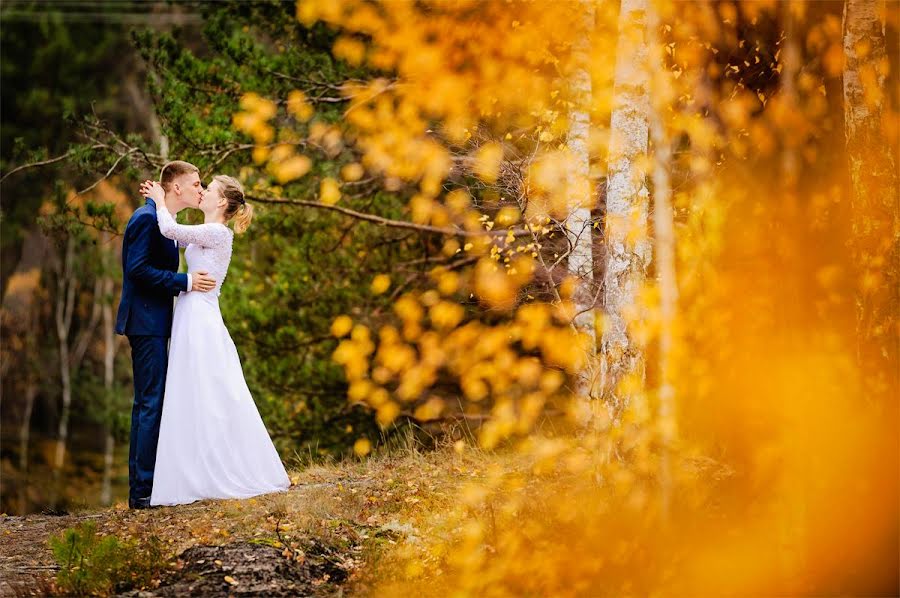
(237, 207)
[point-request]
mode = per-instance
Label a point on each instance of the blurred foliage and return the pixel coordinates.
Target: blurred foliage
(53, 72)
(737, 485)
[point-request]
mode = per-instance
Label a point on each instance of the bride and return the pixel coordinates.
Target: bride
(212, 441)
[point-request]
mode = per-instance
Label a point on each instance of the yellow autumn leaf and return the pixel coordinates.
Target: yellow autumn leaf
(387, 413)
(362, 447)
(380, 284)
(352, 172)
(291, 169)
(329, 191)
(349, 49)
(298, 106)
(260, 154)
(341, 326)
(487, 162)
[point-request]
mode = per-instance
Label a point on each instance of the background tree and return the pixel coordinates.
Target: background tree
(579, 224)
(628, 249)
(871, 156)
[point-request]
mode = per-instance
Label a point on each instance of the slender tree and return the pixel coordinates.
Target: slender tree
(72, 344)
(578, 223)
(110, 346)
(627, 245)
(874, 194)
(664, 249)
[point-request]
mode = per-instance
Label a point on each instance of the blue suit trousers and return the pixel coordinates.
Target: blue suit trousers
(150, 356)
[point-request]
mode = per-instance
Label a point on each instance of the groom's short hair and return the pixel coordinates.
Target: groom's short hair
(174, 169)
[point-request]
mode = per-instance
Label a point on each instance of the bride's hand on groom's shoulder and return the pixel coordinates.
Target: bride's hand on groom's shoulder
(154, 191)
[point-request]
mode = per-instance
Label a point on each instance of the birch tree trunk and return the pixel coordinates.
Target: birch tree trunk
(874, 194)
(578, 223)
(70, 358)
(664, 247)
(65, 307)
(109, 356)
(24, 441)
(627, 244)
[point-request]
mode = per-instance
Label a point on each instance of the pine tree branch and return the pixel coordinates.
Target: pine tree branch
(47, 162)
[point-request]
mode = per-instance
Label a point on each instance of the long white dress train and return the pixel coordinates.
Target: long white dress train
(212, 441)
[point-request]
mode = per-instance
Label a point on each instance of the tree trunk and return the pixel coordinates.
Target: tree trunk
(875, 243)
(65, 306)
(109, 357)
(69, 359)
(788, 91)
(791, 540)
(627, 244)
(24, 441)
(664, 247)
(578, 223)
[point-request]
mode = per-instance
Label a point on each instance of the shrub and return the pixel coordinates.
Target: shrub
(92, 564)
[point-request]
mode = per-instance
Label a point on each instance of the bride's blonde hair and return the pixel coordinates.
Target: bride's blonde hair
(237, 208)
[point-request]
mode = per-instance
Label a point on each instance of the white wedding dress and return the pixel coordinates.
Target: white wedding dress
(212, 441)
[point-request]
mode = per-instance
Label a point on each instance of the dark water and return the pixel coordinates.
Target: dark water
(81, 481)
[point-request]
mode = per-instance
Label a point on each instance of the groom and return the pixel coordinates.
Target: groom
(150, 280)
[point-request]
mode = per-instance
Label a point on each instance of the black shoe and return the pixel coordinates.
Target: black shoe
(139, 503)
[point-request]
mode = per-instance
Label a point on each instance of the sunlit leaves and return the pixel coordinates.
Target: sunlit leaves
(380, 284)
(341, 326)
(487, 161)
(290, 168)
(352, 172)
(298, 106)
(362, 447)
(329, 191)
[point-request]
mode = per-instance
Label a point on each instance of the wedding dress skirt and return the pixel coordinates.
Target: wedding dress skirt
(212, 441)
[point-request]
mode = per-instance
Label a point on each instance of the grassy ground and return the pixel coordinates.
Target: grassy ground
(333, 527)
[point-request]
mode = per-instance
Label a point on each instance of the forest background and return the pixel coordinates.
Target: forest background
(653, 247)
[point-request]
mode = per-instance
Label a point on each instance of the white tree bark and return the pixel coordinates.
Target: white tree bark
(874, 195)
(24, 441)
(580, 201)
(664, 246)
(65, 307)
(69, 358)
(628, 255)
(109, 356)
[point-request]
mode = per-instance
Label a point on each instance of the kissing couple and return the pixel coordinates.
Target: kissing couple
(195, 431)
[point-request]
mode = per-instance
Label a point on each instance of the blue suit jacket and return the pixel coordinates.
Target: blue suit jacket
(151, 278)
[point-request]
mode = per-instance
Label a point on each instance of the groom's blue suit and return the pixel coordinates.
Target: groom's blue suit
(150, 280)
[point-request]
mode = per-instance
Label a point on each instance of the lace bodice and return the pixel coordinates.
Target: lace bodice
(208, 245)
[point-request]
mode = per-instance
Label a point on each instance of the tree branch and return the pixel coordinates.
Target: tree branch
(46, 162)
(108, 172)
(425, 228)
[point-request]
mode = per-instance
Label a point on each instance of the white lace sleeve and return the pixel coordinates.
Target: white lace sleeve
(207, 235)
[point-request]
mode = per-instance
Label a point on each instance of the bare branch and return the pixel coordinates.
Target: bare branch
(87, 334)
(46, 162)
(425, 228)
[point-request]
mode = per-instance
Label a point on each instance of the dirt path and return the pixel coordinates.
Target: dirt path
(26, 563)
(238, 540)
